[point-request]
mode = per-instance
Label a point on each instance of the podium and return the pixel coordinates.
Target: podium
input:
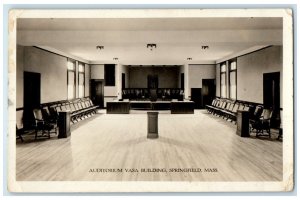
(242, 123)
(64, 124)
(152, 124)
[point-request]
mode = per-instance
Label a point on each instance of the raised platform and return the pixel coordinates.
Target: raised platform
(176, 107)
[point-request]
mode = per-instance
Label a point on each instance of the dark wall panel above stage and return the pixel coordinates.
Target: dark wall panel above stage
(167, 76)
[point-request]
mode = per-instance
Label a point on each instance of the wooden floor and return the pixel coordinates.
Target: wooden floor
(106, 142)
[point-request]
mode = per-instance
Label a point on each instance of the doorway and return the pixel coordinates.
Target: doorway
(123, 81)
(271, 93)
(31, 97)
(208, 91)
(152, 81)
(97, 91)
(182, 81)
(196, 97)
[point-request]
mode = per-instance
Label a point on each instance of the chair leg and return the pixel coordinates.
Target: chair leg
(21, 138)
(279, 134)
(36, 132)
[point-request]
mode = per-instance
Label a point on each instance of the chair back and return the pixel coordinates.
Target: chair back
(267, 113)
(86, 102)
(231, 106)
(235, 107)
(213, 102)
(91, 102)
(68, 107)
(246, 108)
(76, 106)
(37, 113)
(19, 119)
(83, 104)
(224, 104)
(258, 111)
(53, 111)
(72, 107)
(46, 113)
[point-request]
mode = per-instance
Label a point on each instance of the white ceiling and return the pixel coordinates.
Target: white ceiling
(126, 39)
(150, 24)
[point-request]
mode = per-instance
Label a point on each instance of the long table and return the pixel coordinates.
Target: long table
(176, 107)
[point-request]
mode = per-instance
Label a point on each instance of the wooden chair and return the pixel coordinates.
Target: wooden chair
(256, 115)
(19, 125)
(42, 125)
(51, 119)
(263, 123)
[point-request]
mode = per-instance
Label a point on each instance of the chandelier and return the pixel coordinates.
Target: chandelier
(151, 46)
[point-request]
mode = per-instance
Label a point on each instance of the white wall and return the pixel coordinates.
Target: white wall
(110, 92)
(53, 70)
(181, 70)
(250, 69)
(197, 73)
(125, 70)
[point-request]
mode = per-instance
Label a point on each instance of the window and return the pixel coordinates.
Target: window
(71, 79)
(223, 80)
(232, 80)
(81, 80)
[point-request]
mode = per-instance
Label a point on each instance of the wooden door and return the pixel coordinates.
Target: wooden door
(97, 92)
(208, 91)
(123, 81)
(196, 96)
(271, 95)
(182, 81)
(152, 81)
(31, 97)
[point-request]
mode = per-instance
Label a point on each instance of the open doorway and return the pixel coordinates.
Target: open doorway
(208, 91)
(32, 97)
(271, 93)
(97, 91)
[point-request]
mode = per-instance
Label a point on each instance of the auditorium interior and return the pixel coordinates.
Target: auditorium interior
(141, 99)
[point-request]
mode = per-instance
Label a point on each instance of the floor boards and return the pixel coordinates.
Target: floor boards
(118, 141)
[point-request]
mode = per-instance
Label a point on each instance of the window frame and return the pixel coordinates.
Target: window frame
(83, 73)
(229, 79)
(74, 71)
(221, 73)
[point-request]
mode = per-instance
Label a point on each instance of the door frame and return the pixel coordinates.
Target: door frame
(272, 75)
(213, 90)
(28, 119)
(91, 84)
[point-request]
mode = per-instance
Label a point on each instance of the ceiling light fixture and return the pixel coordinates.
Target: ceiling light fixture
(205, 47)
(189, 58)
(115, 58)
(151, 46)
(99, 47)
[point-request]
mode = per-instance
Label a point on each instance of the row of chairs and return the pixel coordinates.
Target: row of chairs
(79, 108)
(226, 108)
(145, 93)
(260, 117)
(46, 117)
